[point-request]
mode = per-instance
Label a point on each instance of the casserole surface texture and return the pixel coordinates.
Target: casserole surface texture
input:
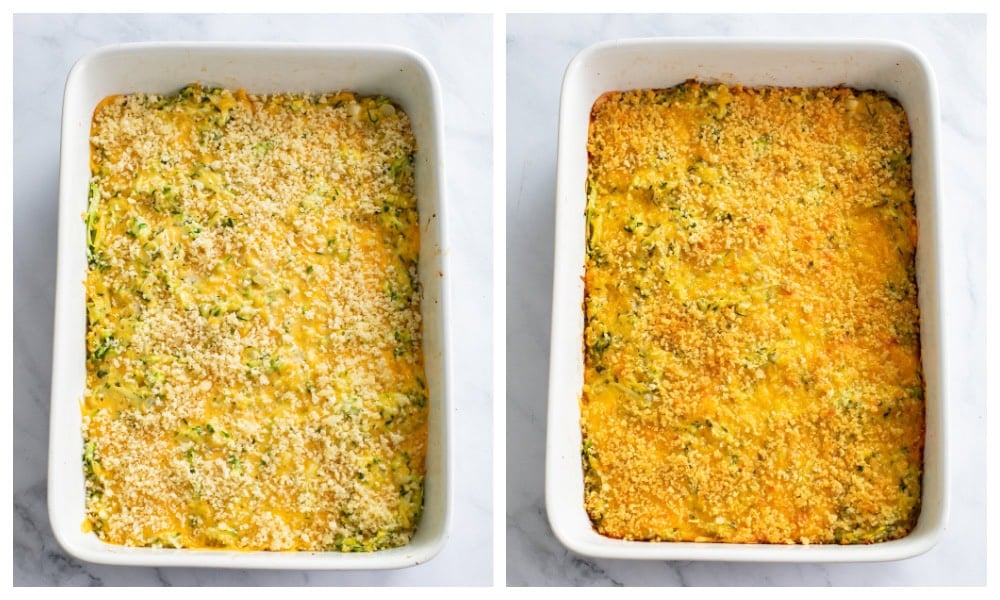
(255, 376)
(752, 348)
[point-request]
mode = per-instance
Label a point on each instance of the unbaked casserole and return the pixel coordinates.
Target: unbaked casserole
(255, 374)
(752, 368)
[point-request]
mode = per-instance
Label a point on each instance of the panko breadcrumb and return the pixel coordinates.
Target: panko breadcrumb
(255, 377)
(752, 355)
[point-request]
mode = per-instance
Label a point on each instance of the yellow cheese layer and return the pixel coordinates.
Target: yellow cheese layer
(255, 375)
(752, 333)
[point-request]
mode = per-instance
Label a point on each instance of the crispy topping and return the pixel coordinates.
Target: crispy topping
(255, 374)
(752, 334)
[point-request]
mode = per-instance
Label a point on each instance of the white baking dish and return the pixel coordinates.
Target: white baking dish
(658, 63)
(400, 74)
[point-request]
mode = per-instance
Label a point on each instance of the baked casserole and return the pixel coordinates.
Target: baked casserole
(255, 374)
(752, 366)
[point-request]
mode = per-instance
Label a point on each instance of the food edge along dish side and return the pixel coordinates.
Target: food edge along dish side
(671, 453)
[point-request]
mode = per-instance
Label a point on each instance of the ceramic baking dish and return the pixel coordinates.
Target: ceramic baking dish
(259, 68)
(658, 63)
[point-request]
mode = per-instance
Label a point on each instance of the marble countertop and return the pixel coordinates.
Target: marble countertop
(538, 50)
(45, 47)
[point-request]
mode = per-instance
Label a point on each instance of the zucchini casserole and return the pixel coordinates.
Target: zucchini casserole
(752, 349)
(255, 374)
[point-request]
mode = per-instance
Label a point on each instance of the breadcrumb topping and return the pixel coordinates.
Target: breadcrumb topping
(255, 375)
(752, 356)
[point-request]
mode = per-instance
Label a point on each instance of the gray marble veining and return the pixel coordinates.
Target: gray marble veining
(45, 47)
(539, 47)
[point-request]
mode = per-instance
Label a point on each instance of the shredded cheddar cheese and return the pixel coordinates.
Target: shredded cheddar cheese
(752, 356)
(255, 376)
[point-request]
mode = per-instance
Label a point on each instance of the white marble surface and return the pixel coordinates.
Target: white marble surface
(538, 50)
(459, 48)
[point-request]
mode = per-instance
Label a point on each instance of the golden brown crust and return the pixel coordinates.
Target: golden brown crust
(752, 333)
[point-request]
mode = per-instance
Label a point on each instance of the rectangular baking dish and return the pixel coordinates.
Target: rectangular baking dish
(401, 74)
(661, 62)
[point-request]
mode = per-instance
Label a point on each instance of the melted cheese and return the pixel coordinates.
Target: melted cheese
(255, 376)
(752, 333)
